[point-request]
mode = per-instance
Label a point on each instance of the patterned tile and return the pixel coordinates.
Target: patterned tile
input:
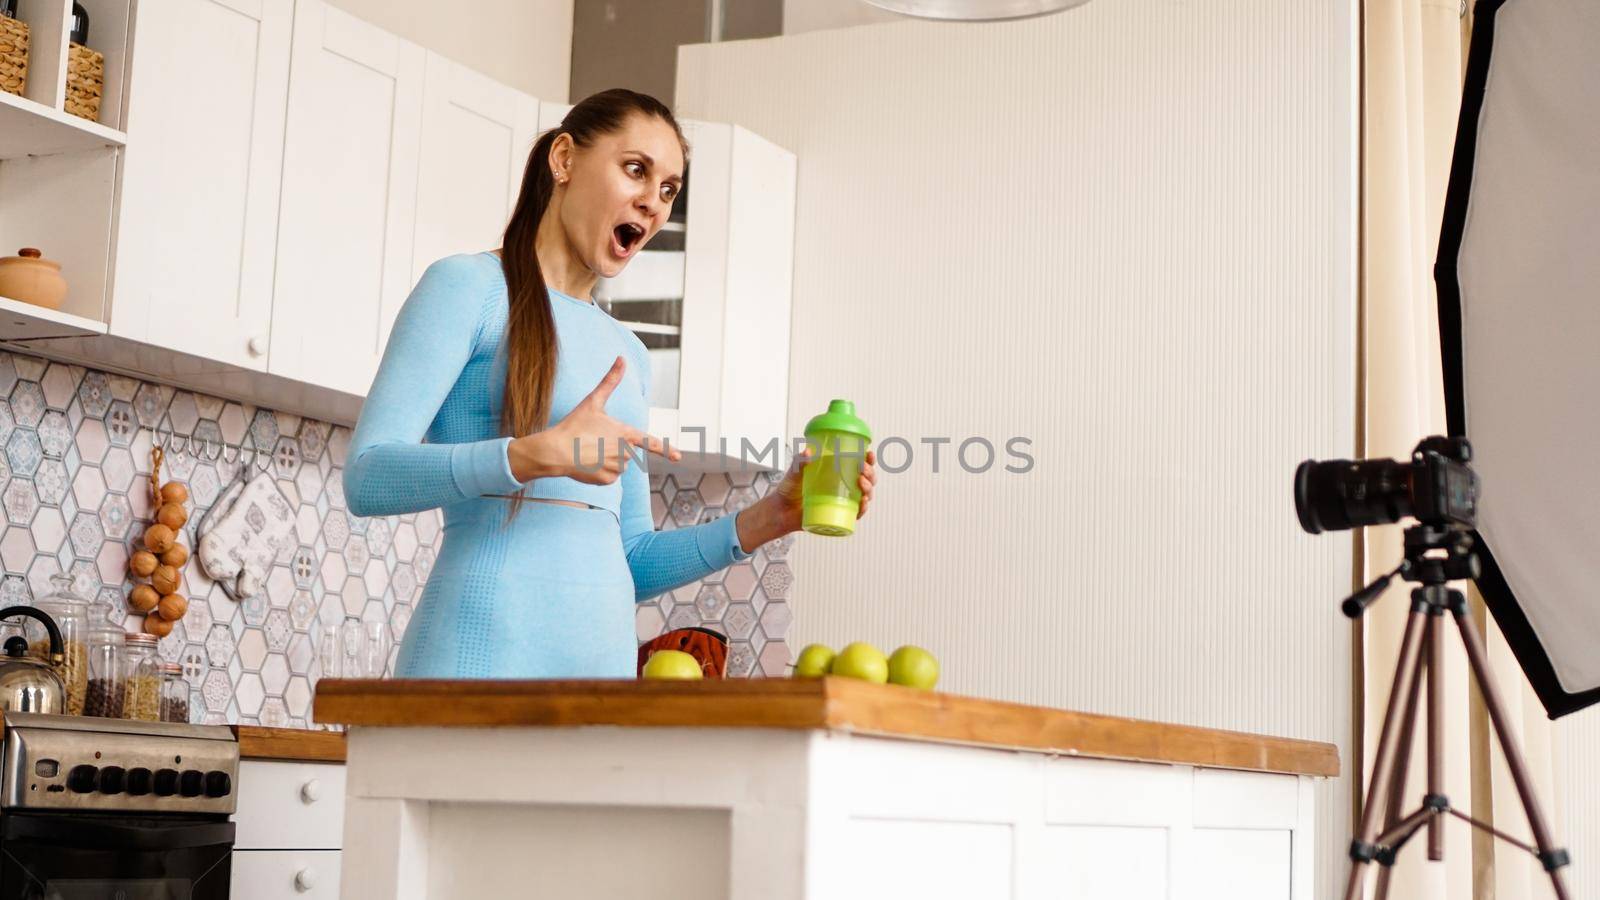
(687, 507)
(776, 581)
(739, 621)
(21, 501)
(51, 482)
(55, 434)
(94, 394)
(150, 404)
(27, 403)
(712, 601)
(24, 452)
(121, 423)
(277, 630)
(115, 516)
(302, 611)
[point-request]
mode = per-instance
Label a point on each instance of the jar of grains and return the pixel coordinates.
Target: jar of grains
(71, 614)
(141, 668)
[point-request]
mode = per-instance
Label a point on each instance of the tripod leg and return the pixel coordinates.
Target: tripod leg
(1397, 784)
(1362, 849)
(1552, 857)
(1435, 656)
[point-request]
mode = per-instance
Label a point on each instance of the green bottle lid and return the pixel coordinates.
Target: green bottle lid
(841, 416)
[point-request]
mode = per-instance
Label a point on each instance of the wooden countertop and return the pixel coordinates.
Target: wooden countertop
(257, 742)
(834, 704)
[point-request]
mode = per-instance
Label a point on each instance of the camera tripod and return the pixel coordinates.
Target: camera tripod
(1420, 651)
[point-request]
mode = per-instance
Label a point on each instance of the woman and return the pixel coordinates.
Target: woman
(533, 401)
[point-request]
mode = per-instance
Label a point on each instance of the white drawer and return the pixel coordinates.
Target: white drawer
(283, 874)
(289, 806)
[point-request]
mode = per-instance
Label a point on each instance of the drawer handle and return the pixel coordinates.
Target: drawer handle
(305, 880)
(311, 791)
(257, 346)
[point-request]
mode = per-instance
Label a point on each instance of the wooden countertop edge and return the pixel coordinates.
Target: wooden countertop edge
(804, 704)
(291, 744)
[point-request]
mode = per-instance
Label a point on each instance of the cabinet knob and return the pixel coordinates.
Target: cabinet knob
(311, 791)
(258, 346)
(305, 880)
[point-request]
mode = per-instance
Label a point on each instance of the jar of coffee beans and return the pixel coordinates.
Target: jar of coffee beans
(106, 678)
(174, 694)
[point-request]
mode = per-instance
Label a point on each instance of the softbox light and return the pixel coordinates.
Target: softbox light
(1518, 278)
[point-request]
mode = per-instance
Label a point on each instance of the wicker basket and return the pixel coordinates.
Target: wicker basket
(86, 78)
(13, 55)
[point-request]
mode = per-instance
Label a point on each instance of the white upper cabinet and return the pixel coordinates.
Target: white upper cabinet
(199, 195)
(476, 134)
(348, 209)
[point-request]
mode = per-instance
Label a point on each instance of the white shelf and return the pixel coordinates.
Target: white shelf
(651, 275)
(28, 128)
(650, 328)
(25, 322)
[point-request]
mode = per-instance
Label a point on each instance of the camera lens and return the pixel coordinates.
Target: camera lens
(1337, 494)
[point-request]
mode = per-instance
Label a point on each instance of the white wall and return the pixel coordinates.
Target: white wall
(1127, 233)
(524, 43)
(1577, 799)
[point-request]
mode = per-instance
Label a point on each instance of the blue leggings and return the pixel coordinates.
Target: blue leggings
(548, 595)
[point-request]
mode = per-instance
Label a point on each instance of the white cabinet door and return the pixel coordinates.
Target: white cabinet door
(199, 198)
(285, 874)
(289, 804)
(476, 134)
(349, 197)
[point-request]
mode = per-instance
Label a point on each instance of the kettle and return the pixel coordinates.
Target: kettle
(26, 684)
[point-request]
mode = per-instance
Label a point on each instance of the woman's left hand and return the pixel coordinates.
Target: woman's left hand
(778, 513)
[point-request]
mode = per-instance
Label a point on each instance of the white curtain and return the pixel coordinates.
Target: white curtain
(1412, 63)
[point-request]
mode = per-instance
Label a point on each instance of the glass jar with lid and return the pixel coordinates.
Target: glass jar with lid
(71, 615)
(174, 694)
(106, 673)
(141, 668)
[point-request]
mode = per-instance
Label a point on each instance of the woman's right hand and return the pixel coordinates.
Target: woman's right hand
(588, 445)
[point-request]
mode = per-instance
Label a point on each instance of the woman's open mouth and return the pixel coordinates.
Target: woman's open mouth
(625, 239)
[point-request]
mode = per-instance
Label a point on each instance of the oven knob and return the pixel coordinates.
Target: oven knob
(192, 784)
(166, 782)
(112, 779)
(82, 779)
(218, 784)
(138, 782)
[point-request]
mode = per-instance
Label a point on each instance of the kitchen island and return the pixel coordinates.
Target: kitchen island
(801, 789)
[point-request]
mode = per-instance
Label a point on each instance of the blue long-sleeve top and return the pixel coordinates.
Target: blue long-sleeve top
(429, 433)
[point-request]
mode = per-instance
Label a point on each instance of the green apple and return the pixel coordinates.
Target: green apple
(913, 667)
(813, 661)
(861, 660)
(673, 664)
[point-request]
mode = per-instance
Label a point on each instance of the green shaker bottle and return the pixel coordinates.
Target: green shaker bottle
(830, 496)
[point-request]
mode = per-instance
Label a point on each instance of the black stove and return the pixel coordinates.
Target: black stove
(108, 809)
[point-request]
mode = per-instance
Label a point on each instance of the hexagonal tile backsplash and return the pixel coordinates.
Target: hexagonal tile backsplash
(75, 471)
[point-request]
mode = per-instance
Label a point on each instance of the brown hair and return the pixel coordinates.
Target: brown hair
(530, 339)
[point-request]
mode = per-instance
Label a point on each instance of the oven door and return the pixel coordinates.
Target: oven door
(92, 857)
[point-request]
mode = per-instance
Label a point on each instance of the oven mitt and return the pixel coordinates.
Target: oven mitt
(238, 546)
